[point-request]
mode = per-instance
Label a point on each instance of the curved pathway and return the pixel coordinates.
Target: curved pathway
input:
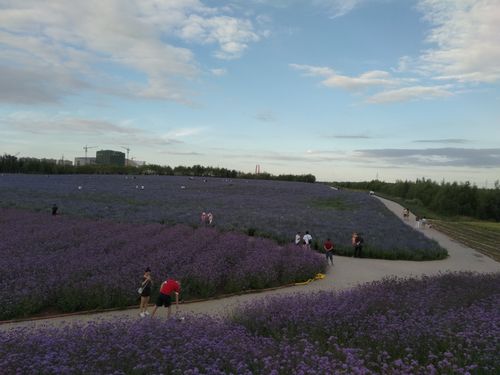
(345, 274)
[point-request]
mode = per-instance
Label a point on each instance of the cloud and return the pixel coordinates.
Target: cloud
(375, 79)
(219, 72)
(231, 34)
(81, 45)
(447, 140)
(409, 93)
(465, 35)
(36, 123)
(448, 157)
(266, 116)
(36, 86)
(337, 8)
(465, 48)
(313, 71)
(181, 133)
(77, 128)
(332, 79)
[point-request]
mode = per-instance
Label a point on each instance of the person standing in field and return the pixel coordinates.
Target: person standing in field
(417, 222)
(307, 240)
(353, 243)
(210, 218)
(54, 209)
(168, 289)
(328, 246)
(146, 285)
(298, 238)
(358, 246)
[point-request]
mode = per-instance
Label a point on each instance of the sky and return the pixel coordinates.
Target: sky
(347, 90)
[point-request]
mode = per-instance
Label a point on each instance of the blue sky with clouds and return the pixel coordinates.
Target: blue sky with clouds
(346, 90)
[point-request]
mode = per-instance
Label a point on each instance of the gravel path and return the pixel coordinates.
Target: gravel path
(346, 273)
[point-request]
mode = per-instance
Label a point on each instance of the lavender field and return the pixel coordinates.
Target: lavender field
(68, 263)
(273, 209)
(447, 324)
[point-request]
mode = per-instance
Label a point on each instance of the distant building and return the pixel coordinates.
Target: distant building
(85, 161)
(135, 163)
(110, 157)
(64, 162)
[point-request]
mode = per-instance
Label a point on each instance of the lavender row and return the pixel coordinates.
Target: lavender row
(274, 209)
(74, 264)
(447, 324)
(442, 324)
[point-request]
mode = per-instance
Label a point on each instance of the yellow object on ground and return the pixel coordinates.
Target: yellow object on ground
(317, 277)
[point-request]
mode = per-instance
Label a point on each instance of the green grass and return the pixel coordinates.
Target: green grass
(332, 204)
(481, 236)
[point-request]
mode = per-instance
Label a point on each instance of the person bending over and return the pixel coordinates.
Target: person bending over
(168, 289)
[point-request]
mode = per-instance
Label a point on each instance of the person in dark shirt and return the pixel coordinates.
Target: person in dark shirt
(358, 246)
(147, 283)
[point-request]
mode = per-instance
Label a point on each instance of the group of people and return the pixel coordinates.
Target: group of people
(357, 244)
(420, 222)
(206, 218)
(169, 290)
(328, 246)
(303, 240)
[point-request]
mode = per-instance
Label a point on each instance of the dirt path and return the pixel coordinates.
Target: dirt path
(345, 274)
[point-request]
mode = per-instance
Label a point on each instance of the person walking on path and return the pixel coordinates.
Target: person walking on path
(54, 209)
(424, 222)
(145, 288)
(328, 246)
(307, 240)
(168, 289)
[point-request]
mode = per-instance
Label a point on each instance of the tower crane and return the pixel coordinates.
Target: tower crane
(86, 149)
(128, 150)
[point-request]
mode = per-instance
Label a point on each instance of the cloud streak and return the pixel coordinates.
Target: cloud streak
(446, 140)
(332, 79)
(409, 93)
(27, 123)
(437, 157)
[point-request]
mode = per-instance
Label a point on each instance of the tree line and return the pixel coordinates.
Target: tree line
(12, 164)
(445, 198)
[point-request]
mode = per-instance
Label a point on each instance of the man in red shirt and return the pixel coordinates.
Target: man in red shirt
(328, 246)
(168, 289)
